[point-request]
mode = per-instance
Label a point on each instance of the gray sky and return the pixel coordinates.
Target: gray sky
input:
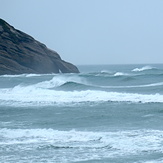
(92, 31)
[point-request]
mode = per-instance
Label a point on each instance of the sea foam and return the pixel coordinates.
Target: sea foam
(135, 86)
(34, 95)
(57, 81)
(143, 68)
(119, 142)
(120, 74)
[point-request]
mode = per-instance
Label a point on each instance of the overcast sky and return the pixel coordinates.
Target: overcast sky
(92, 31)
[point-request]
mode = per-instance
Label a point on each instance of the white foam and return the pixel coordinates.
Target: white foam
(154, 84)
(120, 74)
(13, 76)
(24, 75)
(143, 68)
(73, 146)
(135, 86)
(57, 81)
(106, 71)
(151, 161)
(121, 142)
(35, 95)
(34, 75)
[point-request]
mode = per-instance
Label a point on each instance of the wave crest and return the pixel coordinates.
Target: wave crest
(143, 69)
(29, 96)
(57, 81)
(120, 74)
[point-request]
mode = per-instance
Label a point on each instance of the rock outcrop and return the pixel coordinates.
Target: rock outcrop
(21, 53)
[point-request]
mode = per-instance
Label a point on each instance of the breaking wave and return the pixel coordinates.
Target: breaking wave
(57, 81)
(50, 89)
(143, 68)
(135, 86)
(117, 142)
(32, 95)
(121, 74)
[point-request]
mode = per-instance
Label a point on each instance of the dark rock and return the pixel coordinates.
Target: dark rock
(20, 53)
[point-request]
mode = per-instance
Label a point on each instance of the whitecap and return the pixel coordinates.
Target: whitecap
(134, 86)
(120, 74)
(59, 80)
(33, 75)
(34, 95)
(13, 76)
(116, 142)
(143, 68)
(106, 71)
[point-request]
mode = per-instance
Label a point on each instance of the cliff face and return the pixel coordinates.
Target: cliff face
(20, 53)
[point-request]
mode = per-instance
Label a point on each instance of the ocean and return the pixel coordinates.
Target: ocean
(104, 114)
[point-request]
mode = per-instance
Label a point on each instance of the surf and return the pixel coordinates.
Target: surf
(32, 95)
(117, 142)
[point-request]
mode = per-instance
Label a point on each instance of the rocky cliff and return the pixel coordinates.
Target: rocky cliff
(20, 53)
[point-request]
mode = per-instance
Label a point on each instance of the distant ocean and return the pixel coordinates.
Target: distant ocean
(105, 114)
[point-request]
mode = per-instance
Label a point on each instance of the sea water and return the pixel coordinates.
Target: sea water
(104, 114)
